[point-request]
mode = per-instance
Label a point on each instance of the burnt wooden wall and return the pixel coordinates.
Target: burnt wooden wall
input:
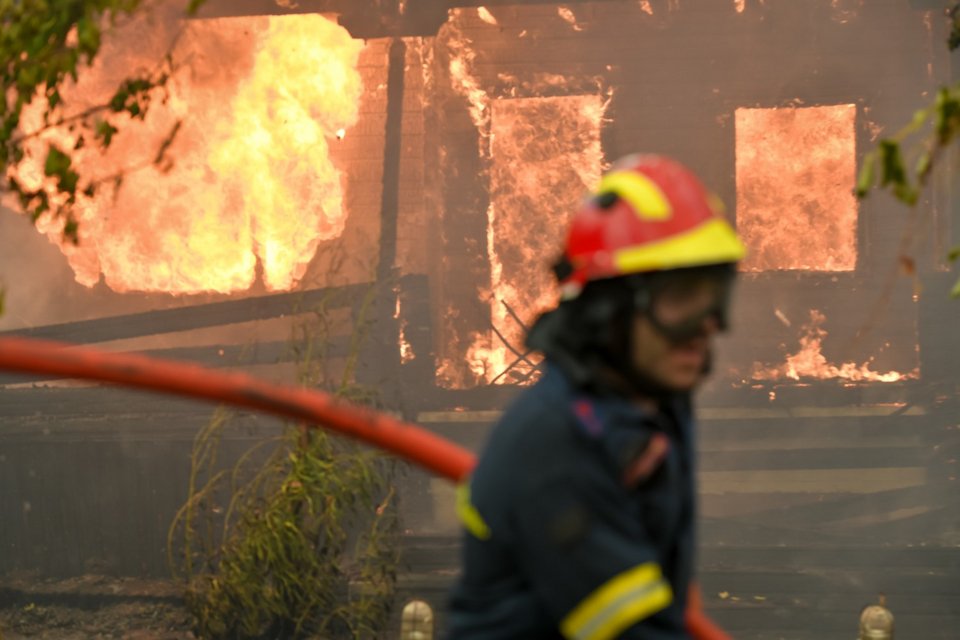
(677, 78)
(91, 477)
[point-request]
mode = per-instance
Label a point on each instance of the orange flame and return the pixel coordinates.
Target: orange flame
(252, 186)
(545, 156)
(809, 361)
(406, 349)
(542, 154)
(795, 175)
(462, 60)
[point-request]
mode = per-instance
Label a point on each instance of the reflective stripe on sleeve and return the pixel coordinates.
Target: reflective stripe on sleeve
(469, 515)
(619, 603)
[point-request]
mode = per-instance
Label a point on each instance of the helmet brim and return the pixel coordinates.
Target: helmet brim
(713, 242)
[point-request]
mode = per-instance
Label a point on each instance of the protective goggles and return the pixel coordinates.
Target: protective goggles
(678, 302)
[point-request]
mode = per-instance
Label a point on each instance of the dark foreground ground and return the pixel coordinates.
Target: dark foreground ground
(755, 593)
(91, 606)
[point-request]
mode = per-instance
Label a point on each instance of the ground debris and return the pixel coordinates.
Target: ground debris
(91, 607)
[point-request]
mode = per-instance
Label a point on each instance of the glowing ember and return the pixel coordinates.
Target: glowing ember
(486, 16)
(739, 5)
(252, 187)
(782, 317)
(809, 362)
(555, 144)
(845, 10)
(406, 349)
(795, 175)
(645, 7)
(567, 14)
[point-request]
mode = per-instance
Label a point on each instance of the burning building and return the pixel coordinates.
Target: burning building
(433, 150)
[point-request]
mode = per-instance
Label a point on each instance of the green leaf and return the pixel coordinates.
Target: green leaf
(954, 40)
(104, 132)
(893, 172)
(946, 115)
(906, 193)
(954, 254)
(891, 163)
(70, 229)
(924, 166)
(119, 100)
(955, 292)
(67, 182)
(867, 175)
(88, 37)
(57, 162)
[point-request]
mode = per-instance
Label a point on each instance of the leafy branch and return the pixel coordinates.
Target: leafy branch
(905, 172)
(44, 46)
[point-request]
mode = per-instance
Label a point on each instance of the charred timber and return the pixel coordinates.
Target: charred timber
(201, 316)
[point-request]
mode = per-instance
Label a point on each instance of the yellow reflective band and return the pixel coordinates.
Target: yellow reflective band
(469, 515)
(713, 242)
(641, 192)
(619, 603)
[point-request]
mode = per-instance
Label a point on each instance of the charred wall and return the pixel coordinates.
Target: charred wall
(677, 75)
(785, 464)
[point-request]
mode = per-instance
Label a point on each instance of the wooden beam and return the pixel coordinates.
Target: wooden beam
(213, 314)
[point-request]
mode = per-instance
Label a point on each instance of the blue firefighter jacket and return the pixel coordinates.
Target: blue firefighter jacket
(579, 519)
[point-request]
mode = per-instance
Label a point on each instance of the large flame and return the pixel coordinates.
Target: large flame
(545, 155)
(795, 175)
(542, 153)
(251, 188)
(461, 67)
(809, 362)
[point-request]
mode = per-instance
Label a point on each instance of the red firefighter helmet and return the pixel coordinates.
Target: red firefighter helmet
(649, 213)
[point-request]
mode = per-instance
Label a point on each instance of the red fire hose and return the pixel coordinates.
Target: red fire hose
(316, 408)
(406, 440)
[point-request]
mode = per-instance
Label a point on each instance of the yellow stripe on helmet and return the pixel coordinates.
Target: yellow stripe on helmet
(618, 604)
(713, 242)
(642, 193)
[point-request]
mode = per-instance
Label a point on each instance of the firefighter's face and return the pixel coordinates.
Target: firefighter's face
(677, 361)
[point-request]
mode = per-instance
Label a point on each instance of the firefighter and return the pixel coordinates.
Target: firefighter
(580, 514)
